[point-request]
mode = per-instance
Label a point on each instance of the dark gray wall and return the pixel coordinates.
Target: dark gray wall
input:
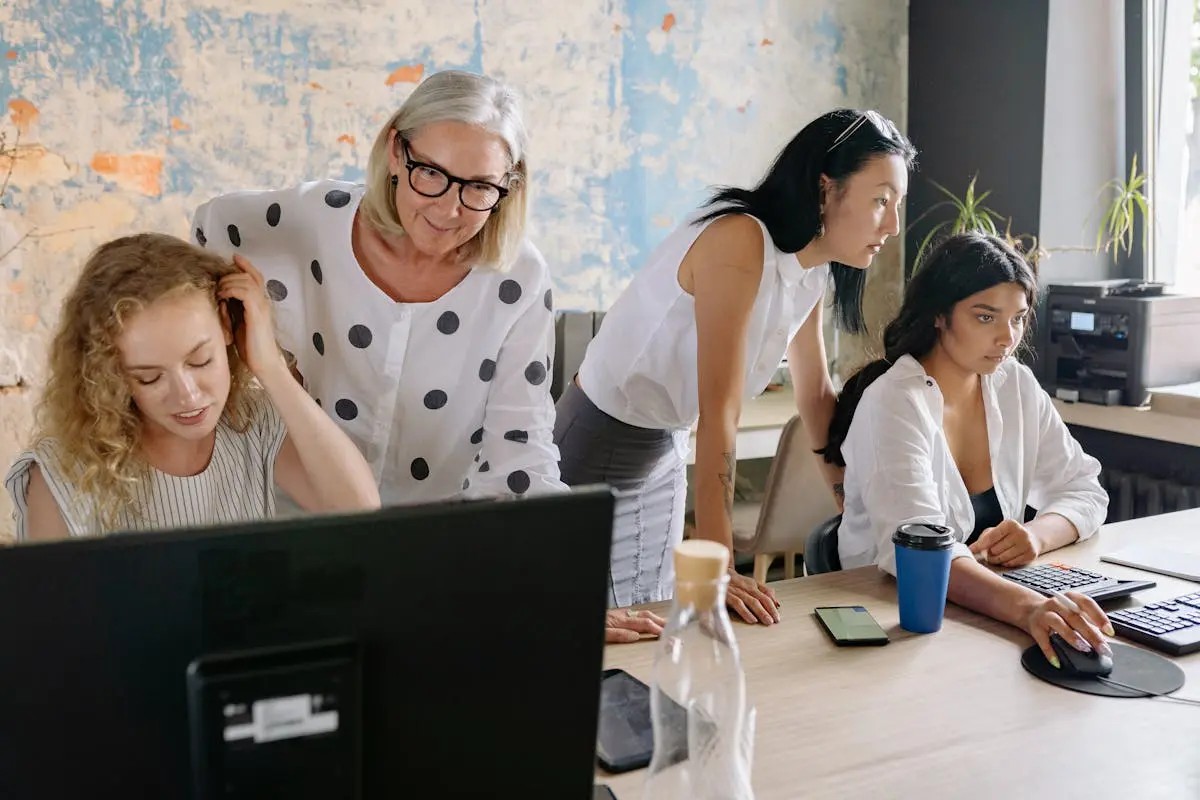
(976, 91)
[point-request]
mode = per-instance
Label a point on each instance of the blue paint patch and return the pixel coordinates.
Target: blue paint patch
(841, 78)
(635, 194)
(119, 44)
(834, 36)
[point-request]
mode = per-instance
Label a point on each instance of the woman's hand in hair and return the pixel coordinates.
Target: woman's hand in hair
(255, 335)
(626, 625)
(1009, 544)
(751, 600)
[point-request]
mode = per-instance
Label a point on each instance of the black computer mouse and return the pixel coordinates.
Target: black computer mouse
(1075, 662)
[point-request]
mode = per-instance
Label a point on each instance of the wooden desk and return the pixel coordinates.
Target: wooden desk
(760, 426)
(952, 714)
(1142, 422)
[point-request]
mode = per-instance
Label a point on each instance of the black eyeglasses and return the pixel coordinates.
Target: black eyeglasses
(428, 180)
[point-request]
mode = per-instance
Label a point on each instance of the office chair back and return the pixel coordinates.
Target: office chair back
(821, 550)
(795, 499)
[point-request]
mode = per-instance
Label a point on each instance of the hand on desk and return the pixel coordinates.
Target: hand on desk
(1009, 544)
(1081, 630)
(751, 600)
(626, 625)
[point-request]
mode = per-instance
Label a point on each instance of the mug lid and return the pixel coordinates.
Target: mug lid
(924, 536)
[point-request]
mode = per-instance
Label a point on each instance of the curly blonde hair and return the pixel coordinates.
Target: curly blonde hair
(87, 405)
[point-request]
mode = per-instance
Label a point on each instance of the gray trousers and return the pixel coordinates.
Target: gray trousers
(647, 473)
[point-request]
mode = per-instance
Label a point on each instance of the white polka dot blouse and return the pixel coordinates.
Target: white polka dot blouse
(449, 398)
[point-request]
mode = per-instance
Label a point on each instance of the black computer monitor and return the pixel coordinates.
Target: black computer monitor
(451, 650)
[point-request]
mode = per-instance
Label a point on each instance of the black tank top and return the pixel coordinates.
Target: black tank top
(987, 512)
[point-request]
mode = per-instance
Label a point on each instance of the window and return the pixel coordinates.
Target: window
(1172, 42)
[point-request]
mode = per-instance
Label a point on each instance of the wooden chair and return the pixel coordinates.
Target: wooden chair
(795, 501)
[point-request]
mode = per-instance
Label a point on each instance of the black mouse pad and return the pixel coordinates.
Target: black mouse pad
(1131, 665)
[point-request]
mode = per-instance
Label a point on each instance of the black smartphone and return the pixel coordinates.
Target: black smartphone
(851, 626)
(601, 792)
(625, 739)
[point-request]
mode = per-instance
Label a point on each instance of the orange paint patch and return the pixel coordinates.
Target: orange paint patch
(767, 43)
(139, 172)
(29, 322)
(11, 55)
(668, 22)
(23, 113)
(178, 125)
(616, 28)
(16, 287)
(315, 85)
(348, 139)
(409, 74)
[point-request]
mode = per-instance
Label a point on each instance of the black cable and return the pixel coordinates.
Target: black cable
(1146, 693)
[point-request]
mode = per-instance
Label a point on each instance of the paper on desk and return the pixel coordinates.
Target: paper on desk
(1179, 401)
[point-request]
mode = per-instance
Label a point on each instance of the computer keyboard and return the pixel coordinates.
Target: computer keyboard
(1055, 577)
(1171, 626)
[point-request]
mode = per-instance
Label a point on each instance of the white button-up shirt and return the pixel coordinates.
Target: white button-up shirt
(899, 468)
(446, 398)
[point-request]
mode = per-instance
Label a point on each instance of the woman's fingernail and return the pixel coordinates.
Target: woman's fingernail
(1054, 662)
(1108, 630)
(1105, 649)
(1081, 645)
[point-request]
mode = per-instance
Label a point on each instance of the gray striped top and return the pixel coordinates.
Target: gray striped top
(237, 485)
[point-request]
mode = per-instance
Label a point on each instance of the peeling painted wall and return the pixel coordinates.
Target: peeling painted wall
(132, 112)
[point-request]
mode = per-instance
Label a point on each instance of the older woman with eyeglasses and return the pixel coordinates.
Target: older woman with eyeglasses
(418, 314)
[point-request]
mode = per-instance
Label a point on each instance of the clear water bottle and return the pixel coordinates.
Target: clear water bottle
(703, 724)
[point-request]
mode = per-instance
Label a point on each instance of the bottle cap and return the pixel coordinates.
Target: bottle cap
(699, 564)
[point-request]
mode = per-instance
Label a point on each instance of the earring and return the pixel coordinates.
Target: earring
(395, 181)
(821, 228)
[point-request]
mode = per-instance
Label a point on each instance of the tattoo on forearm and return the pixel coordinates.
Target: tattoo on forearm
(727, 483)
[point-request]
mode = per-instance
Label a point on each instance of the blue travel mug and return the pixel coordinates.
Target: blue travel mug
(922, 574)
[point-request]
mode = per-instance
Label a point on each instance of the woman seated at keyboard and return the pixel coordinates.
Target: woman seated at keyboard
(150, 418)
(949, 428)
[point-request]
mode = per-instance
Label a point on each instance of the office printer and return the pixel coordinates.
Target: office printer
(1109, 342)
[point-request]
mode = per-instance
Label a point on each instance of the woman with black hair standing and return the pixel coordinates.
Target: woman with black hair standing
(703, 327)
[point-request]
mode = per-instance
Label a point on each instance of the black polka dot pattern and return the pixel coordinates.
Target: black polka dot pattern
(419, 469)
(315, 266)
(487, 370)
(318, 402)
(517, 436)
(346, 409)
(447, 323)
(273, 214)
(535, 373)
(510, 291)
(518, 481)
(548, 299)
(235, 236)
(319, 343)
(200, 237)
(360, 336)
(466, 484)
(484, 467)
(477, 436)
(337, 198)
(435, 399)
(276, 290)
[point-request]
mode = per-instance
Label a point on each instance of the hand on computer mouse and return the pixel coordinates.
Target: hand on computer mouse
(1009, 544)
(1081, 629)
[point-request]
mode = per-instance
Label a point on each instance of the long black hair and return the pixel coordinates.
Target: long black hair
(960, 266)
(788, 200)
